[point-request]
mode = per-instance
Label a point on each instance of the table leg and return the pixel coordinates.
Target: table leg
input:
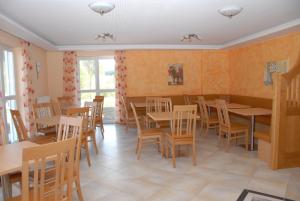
(6, 187)
(252, 130)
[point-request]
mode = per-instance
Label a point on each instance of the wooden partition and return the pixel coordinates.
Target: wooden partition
(285, 133)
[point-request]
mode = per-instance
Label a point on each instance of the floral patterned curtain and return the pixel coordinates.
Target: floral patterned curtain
(26, 86)
(121, 84)
(71, 76)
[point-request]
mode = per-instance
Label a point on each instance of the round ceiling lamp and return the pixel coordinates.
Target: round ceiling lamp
(230, 11)
(101, 7)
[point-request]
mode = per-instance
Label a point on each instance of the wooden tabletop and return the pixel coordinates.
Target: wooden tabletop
(48, 121)
(162, 116)
(140, 104)
(11, 156)
(254, 111)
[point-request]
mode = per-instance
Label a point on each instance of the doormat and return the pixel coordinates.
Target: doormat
(249, 195)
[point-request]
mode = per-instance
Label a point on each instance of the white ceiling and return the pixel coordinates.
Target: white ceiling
(70, 24)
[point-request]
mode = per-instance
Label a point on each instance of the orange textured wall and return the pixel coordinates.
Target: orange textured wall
(247, 63)
(148, 72)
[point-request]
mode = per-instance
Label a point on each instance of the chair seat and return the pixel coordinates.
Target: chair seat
(19, 198)
(213, 120)
(151, 132)
(43, 139)
(236, 127)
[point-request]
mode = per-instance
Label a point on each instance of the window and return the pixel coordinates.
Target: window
(8, 90)
(97, 77)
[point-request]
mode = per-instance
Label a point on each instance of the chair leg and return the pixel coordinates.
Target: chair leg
(246, 140)
(87, 152)
(220, 138)
(206, 130)
(167, 149)
(173, 155)
(102, 129)
(137, 145)
(95, 143)
(158, 144)
(228, 142)
(194, 153)
(140, 148)
(162, 145)
(78, 188)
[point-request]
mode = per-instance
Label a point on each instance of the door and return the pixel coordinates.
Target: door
(97, 77)
(8, 91)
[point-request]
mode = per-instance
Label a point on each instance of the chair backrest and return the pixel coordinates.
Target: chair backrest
(92, 113)
(150, 104)
(81, 112)
(56, 108)
(203, 108)
(99, 97)
(59, 186)
(99, 109)
(65, 101)
(71, 127)
(3, 137)
(19, 125)
(136, 119)
(43, 99)
(187, 100)
(183, 121)
(163, 105)
(223, 116)
(42, 110)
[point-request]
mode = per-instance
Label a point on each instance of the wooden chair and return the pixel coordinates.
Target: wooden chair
(41, 110)
(232, 131)
(129, 117)
(56, 108)
(99, 97)
(56, 188)
(14, 177)
(183, 129)
(64, 103)
(187, 100)
(163, 105)
(91, 127)
(23, 134)
(71, 127)
(152, 135)
(99, 114)
(207, 121)
(150, 107)
(84, 113)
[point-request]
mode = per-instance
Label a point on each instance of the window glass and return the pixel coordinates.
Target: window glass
(87, 74)
(9, 74)
(107, 73)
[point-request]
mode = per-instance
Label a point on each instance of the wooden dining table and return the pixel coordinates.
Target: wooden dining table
(11, 161)
(252, 113)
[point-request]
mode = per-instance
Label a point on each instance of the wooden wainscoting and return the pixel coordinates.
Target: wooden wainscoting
(285, 134)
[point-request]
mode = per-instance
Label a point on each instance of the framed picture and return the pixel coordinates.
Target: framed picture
(175, 74)
(249, 195)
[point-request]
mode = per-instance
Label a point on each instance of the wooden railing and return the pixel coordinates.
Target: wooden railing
(285, 132)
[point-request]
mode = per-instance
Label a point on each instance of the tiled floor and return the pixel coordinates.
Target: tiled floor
(116, 175)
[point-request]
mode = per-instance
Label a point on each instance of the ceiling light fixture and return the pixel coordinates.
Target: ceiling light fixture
(190, 37)
(105, 36)
(101, 7)
(230, 11)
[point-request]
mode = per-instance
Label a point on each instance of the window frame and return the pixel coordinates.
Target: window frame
(98, 89)
(5, 99)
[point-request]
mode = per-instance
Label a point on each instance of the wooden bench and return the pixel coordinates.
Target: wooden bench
(264, 146)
